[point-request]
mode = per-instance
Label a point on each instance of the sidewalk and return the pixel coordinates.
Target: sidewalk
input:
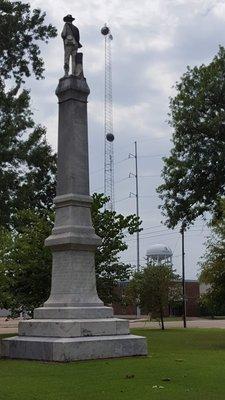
(195, 323)
(11, 326)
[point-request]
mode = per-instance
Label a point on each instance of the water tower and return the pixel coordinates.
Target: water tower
(159, 253)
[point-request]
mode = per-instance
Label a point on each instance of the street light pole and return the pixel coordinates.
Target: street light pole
(183, 226)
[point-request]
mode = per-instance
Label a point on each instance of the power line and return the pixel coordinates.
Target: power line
(153, 226)
(122, 180)
(140, 141)
(152, 155)
(115, 163)
(121, 161)
(124, 198)
(177, 255)
(97, 171)
(128, 158)
(158, 231)
(164, 226)
(150, 236)
(176, 244)
(147, 197)
(150, 176)
(119, 181)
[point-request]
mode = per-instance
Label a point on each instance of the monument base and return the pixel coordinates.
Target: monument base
(73, 333)
(72, 349)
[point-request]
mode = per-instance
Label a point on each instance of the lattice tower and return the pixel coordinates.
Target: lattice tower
(108, 122)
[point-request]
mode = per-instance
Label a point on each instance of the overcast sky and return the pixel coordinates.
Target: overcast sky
(153, 42)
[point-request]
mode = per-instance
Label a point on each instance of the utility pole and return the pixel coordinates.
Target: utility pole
(183, 226)
(137, 205)
(135, 156)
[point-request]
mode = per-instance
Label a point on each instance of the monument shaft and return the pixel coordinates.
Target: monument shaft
(73, 240)
(72, 167)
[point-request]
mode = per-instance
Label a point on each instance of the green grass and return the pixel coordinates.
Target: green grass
(193, 360)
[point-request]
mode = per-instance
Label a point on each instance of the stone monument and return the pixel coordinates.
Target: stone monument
(73, 324)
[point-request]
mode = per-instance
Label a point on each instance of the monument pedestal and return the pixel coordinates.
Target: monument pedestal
(73, 333)
(72, 349)
(73, 324)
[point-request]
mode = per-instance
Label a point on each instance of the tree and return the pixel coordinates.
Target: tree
(25, 264)
(209, 305)
(112, 229)
(213, 266)
(27, 165)
(21, 30)
(194, 173)
(154, 288)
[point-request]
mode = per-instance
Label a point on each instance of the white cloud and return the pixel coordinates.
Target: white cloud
(219, 10)
(133, 119)
(162, 78)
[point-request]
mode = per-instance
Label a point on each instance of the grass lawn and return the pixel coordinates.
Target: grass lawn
(186, 364)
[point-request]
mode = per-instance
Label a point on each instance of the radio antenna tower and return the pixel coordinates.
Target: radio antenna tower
(108, 122)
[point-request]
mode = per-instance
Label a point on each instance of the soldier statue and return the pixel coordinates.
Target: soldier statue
(71, 39)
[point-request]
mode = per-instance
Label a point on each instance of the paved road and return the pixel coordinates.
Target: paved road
(11, 326)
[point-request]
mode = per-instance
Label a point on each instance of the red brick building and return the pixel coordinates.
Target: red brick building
(192, 296)
(192, 299)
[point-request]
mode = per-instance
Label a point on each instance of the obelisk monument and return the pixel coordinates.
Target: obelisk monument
(73, 324)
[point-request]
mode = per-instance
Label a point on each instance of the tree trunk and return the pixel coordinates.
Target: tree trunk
(161, 318)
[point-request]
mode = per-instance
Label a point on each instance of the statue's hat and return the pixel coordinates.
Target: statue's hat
(68, 18)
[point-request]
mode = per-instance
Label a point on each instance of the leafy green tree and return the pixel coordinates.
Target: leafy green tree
(27, 165)
(153, 289)
(194, 173)
(25, 264)
(213, 265)
(21, 30)
(112, 229)
(209, 305)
